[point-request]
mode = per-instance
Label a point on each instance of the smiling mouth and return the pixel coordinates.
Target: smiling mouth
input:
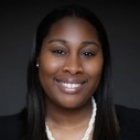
(70, 87)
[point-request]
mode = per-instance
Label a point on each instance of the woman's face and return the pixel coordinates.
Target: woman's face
(70, 63)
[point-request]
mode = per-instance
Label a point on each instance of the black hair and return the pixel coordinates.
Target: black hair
(106, 124)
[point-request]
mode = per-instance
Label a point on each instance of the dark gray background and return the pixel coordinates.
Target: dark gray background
(18, 22)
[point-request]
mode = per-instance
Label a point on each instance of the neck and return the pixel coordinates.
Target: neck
(68, 118)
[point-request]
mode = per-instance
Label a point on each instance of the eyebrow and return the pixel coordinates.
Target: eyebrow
(58, 40)
(65, 42)
(90, 43)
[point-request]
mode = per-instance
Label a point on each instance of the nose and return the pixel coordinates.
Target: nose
(73, 65)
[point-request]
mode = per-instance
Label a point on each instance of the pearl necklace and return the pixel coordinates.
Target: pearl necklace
(90, 124)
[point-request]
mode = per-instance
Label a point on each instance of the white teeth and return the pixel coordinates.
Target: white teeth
(68, 85)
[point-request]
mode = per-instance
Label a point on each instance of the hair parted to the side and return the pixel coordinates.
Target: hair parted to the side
(106, 124)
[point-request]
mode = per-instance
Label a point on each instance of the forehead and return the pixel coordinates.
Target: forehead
(73, 26)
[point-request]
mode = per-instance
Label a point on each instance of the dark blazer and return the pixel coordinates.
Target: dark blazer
(129, 120)
(11, 127)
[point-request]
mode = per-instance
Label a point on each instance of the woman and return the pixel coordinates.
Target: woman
(69, 67)
(69, 83)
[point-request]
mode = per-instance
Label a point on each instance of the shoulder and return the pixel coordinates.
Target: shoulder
(129, 121)
(12, 127)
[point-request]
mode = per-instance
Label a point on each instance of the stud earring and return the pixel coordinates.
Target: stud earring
(37, 65)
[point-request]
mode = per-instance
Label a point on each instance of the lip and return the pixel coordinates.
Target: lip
(70, 85)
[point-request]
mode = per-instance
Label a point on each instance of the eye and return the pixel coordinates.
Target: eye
(88, 54)
(59, 52)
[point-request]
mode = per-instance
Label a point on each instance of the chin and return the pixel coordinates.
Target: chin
(72, 103)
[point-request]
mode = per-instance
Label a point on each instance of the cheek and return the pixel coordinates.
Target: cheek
(94, 71)
(49, 65)
(94, 68)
